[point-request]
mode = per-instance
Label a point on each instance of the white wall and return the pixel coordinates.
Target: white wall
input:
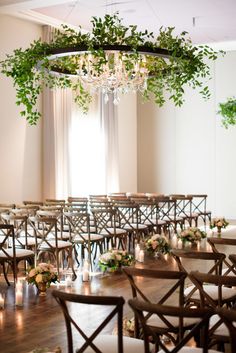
(20, 144)
(127, 140)
(186, 150)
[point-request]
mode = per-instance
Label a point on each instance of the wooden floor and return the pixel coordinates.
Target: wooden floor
(39, 322)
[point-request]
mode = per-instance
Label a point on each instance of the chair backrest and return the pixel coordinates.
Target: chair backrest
(216, 242)
(104, 221)
(201, 279)
(212, 263)
(173, 280)
(176, 278)
(71, 318)
(143, 310)
(7, 239)
(199, 205)
(215, 260)
(78, 223)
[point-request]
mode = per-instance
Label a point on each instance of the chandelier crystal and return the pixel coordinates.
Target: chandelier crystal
(120, 73)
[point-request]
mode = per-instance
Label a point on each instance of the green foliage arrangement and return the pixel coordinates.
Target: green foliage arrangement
(228, 112)
(31, 69)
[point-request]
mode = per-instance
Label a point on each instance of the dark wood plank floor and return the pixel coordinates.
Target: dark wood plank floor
(39, 322)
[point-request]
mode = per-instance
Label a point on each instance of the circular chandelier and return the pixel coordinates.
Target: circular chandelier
(112, 58)
(120, 72)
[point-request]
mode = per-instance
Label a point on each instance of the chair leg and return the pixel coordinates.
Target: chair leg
(5, 273)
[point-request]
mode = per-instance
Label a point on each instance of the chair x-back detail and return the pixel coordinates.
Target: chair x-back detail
(106, 225)
(199, 206)
(200, 317)
(184, 209)
(9, 254)
(80, 235)
(48, 244)
(224, 295)
(213, 265)
(128, 216)
(141, 280)
(167, 211)
(92, 339)
(216, 242)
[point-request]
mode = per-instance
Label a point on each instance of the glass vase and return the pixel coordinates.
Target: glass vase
(42, 289)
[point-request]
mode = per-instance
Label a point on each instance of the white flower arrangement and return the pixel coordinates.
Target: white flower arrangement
(113, 259)
(191, 234)
(42, 273)
(158, 243)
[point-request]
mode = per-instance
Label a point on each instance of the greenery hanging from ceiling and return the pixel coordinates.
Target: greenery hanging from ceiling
(228, 112)
(31, 69)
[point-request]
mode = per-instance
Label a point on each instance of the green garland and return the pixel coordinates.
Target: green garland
(185, 66)
(228, 112)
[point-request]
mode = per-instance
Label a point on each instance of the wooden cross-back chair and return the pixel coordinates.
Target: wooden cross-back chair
(184, 209)
(213, 264)
(199, 206)
(224, 295)
(9, 254)
(128, 216)
(149, 214)
(106, 225)
(94, 340)
(167, 213)
(141, 280)
(48, 244)
(200, 317)
(216, 242)
(80, 235)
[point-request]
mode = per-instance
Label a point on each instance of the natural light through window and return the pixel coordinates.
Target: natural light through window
(86, 151)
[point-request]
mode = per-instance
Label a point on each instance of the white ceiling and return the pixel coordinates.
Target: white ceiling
(207, 21)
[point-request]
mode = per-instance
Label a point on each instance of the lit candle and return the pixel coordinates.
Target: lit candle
(19, 285)
(68, 281)
(19, 297)
(179, 244)
(174, 240)
(1, 301)
(137, 251)
(86, 271)
(141, 256)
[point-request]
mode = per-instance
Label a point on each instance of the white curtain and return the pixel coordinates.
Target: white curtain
(80, 151)
(109, 126)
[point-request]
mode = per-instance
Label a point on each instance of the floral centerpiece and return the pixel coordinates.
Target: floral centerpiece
(218, 223)
(158, 243)
(42, 275)
(191, 234)
(113, 259)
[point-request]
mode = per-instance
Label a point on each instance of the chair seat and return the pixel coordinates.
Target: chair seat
(22, 240)
(192, 350)
(227, 293)
(20, 253)
(63, 235)
(108, 344)
(111, 232)
(158, 222)
(157, 322)
(134, 226)
(221, 330)
(93, 237)
(61, 244)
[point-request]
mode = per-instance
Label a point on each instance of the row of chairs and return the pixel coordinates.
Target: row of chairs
(207, 323)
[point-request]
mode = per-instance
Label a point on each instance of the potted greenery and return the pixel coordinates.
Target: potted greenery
(228, 112)
(173, 63)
